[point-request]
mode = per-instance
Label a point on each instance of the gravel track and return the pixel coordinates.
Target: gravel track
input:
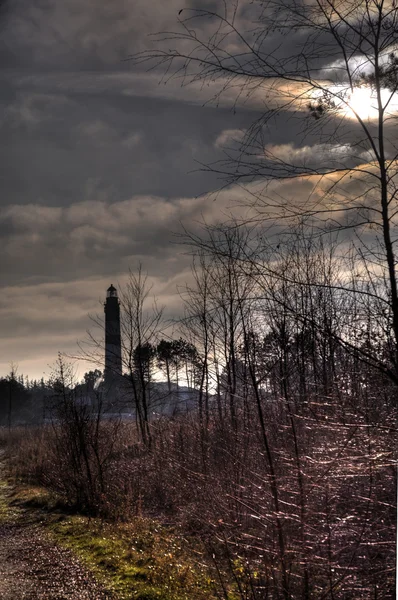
(33, 567)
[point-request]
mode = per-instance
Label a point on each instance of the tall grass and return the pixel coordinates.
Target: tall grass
(333, 471)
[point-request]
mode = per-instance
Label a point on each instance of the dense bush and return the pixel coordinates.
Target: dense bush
(334, 477)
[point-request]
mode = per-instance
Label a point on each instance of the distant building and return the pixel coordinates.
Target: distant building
(121, 394)
(113, 346)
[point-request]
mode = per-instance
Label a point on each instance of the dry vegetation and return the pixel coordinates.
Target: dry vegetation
(282, 478)
(329, 500)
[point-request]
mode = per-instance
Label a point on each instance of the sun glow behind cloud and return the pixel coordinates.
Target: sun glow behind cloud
(363, 102)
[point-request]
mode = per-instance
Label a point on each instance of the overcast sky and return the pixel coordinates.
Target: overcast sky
(99, 166)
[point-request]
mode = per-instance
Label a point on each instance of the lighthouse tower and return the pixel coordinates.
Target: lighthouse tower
(113, 348)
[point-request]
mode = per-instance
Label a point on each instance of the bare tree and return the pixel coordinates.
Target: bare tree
(309, 422)
(333, 66)
(12, 385)
(81, 444)
(140, 324)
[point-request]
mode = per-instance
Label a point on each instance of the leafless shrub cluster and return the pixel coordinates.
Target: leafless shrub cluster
(285, 469)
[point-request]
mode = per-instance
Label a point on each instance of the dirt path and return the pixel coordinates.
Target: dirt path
(32, 567)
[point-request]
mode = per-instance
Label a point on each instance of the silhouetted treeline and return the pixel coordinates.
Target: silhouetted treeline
(25, 401)
(285, 465)
(22, 400)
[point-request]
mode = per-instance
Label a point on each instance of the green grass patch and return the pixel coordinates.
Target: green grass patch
(138, 561)
(4, 503)
(141, 560)
(34, 497)
(8, 512)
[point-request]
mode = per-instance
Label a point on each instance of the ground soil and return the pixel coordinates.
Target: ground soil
(33, 567)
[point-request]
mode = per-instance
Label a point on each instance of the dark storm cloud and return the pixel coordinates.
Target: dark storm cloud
(93, 146)
(59, 261)
(80, 35)
(96, 236)
(99, 163)
(74, 35)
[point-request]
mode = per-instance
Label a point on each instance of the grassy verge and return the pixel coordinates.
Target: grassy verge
(142, 560)
(8, 513)
(139, 560)
(4, 504)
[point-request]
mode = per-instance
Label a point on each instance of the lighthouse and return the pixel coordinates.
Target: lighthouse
(113, 347)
